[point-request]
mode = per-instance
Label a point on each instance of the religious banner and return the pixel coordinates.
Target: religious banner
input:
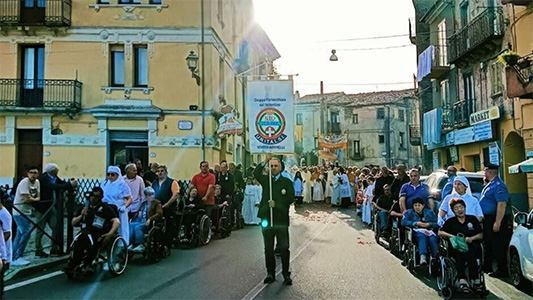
(327, 155)
(271, 125)
(333, 141)
(228, 123)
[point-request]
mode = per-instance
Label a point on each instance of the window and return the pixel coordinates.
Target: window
(159, 2)
(445, 93)
(221, 79)
(381, 138)
(401, 115)
(34, 3)
(355, 119)
(496, 76)
(298, 119)
(129, 1)
(103, 1)
(402, 140)
(441, 44)
(356, 148)
(381, 113)
(464, 13)
(117, 66)
(468, 80)
(335, 118)
(141, 66)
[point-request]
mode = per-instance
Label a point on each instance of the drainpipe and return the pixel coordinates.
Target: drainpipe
(203, 76)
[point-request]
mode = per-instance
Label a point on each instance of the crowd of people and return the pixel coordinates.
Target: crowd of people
(142, 196)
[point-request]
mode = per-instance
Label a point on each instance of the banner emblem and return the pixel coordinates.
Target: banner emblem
(270, 125)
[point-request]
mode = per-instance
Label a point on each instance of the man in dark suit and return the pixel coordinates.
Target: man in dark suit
(51, 189)
(277, 225)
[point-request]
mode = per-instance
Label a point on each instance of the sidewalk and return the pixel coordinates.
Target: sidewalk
(38, 264)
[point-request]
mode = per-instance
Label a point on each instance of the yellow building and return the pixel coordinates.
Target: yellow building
(89, 83)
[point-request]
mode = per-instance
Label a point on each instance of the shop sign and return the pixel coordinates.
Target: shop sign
(485, 115)
(464, 136)
(494, 154)
(483, 131)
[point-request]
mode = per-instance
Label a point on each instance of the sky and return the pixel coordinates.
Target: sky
(305, 32)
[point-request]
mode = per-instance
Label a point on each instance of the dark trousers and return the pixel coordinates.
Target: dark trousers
(469, 257)
(281, 235)
(171, 230)
(84, 250)
(299, 200)
(496, 243)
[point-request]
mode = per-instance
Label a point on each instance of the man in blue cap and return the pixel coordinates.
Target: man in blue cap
(496, 228)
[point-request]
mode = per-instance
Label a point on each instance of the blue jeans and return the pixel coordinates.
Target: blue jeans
(423, 241)
(22, 237)
(383, 219)
(137, 230)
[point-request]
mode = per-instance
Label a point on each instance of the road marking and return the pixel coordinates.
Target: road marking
(261, 286)
(496, 291)
(33, 280)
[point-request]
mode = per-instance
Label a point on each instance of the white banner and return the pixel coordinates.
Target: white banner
(271, 125)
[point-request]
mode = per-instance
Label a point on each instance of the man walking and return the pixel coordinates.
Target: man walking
(451, 171)
(204, 182)
(167, 191)
(496, 229)
(45, 212)
(136, 184)
(274, 214)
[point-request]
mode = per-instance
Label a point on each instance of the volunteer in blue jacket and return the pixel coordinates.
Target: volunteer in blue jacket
(496, 227)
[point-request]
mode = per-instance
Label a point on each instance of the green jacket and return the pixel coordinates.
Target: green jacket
(282, 194)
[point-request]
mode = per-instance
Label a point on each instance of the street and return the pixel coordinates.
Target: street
(333, 256)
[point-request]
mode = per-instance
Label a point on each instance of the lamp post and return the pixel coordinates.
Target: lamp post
(192, 64)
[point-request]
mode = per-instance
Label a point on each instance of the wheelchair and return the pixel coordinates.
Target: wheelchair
(155, 248)
(221, 222)
(447, 273)
(194, 227)
(115, 255)
(395, 239)
(411, 257)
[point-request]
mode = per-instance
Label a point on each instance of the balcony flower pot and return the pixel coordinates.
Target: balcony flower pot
(509, 58)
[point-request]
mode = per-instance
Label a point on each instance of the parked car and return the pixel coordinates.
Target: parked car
(520, 255)
(423, 179)
(438, 179)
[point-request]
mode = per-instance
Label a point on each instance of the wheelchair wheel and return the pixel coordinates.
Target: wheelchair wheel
(447, 293)
(117, 256)
(204, 234)
(442, 276)
(154, 246)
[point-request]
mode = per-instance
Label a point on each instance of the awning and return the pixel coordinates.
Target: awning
(526, 167)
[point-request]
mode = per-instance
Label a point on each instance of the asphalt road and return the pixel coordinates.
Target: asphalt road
(333, 257)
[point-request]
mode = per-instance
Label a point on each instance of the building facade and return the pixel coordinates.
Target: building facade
(89, 83)
(382, 127)
(472, 120)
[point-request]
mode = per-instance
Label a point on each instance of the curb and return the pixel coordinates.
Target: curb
(32, 270)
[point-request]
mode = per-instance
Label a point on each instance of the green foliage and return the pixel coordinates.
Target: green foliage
(509, 58)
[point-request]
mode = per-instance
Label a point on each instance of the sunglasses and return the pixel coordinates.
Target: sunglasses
(112, 174)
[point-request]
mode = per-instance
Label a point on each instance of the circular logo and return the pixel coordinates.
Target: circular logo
(270, 123)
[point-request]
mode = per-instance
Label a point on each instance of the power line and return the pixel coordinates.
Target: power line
(356, 84)
(368, 49)
(365, 38)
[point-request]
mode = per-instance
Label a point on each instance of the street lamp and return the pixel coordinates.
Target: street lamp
(333, 57)
(192, 64)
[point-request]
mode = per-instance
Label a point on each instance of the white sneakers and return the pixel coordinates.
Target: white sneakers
(20, 262)
(423, 260)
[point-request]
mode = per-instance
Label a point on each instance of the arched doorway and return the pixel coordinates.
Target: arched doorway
(514, 152)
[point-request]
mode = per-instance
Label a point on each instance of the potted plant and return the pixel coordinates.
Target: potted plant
(509, 58)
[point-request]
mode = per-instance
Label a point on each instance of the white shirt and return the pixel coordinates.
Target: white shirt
(25, 187)
(137, 192)
(6, 220)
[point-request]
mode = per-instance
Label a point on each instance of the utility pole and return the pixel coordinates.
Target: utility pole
(387, 139)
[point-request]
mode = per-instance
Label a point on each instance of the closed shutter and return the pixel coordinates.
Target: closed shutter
(128, 136)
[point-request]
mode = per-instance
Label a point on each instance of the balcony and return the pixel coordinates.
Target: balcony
(517, 2)
(50, 95)
(415, 138)
(520, 78)
(447, 119)
(461, 111)
(482, 34)
(334, 128)
(433, 62)
(50, 13)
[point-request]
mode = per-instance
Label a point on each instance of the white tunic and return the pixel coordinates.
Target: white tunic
(249, 210)
(329, 189)
(308, 198)
(318, 189)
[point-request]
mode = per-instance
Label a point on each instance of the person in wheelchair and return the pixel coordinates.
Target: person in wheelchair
(423, 222)
(383, 205)
(470, 228)
(150, 211)
(99, 223)
(189, 208)
(220, 219)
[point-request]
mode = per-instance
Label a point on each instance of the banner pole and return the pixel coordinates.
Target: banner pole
(270, 188)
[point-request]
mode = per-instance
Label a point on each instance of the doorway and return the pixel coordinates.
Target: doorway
(32, 85)
(126, 146)
(33, 11)
(29, 151)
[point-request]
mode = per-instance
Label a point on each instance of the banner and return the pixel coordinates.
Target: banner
(228, 124)
(270, 116)
(327, 155)
(333, 141)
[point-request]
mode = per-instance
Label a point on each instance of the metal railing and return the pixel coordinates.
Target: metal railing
(447, 118)
(487, 25)
(524, 69)
(36, 13)
(40, 93)
(461, 111)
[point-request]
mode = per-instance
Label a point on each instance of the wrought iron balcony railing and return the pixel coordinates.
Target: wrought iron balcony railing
(520, 78)
(485, 28)
(43, 93)
(415, 136)
(52, 13)
(447, 119)
(461, 111)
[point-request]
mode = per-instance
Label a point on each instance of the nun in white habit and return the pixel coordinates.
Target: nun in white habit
(118, 193)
